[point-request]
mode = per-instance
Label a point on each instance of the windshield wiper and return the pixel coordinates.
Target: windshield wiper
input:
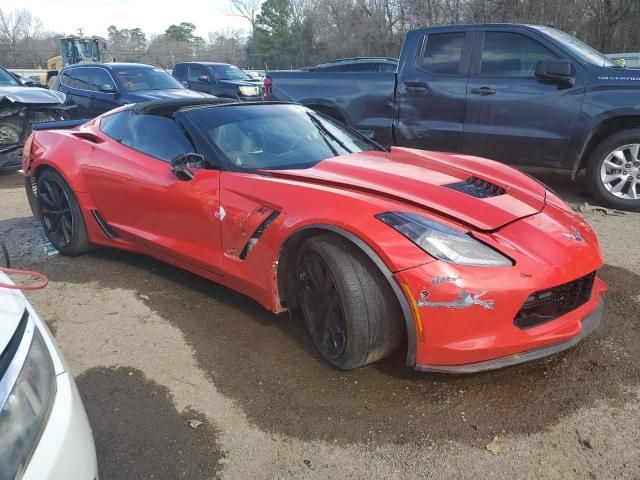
(327, 135)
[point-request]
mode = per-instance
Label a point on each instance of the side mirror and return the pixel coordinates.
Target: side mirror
(182, 164)
(559, 70)
(26, 82)
(107, 88)
(184, 83)
(203, 78)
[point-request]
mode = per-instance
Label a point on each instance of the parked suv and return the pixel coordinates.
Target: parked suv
(99, 87)
(219, 79)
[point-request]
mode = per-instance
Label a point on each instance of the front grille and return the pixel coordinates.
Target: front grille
(550, 304)
(6, 357)
(477, 187)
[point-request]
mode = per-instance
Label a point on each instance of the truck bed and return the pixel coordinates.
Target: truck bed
(364, 100)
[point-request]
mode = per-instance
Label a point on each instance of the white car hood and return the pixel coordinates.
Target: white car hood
(12, 306)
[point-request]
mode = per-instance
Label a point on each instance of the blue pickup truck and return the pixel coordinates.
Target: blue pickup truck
(520, 94)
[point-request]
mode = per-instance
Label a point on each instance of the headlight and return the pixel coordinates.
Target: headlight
(249, 91)
(442, 242)
(26, 410)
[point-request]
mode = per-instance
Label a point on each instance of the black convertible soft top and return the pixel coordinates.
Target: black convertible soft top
(167, 107)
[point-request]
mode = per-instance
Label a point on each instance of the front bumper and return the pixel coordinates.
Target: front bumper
(65, 449)
(465, 317)
(589, 324)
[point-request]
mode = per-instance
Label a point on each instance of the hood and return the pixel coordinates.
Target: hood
(439, 182)
(32, 95)
(12, 305)
(165, 94)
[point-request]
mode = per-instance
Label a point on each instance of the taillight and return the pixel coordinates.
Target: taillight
(268, 81)
(26, 153)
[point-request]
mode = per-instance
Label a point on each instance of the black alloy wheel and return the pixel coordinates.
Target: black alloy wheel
(55, 210)
(321, 305)
(60, 214)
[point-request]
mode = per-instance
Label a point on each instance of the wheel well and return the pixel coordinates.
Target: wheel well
(329, 111)
(606, 128)
(286, 276)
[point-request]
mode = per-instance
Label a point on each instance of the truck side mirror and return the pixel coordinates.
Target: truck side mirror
(108, 88)
(559, 70)
(203, 78)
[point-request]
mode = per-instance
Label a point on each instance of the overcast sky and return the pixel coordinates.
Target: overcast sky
(94, 16)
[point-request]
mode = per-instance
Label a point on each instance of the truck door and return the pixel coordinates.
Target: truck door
(431, 90)
(512, 115)
(198, 79)
(105, 92)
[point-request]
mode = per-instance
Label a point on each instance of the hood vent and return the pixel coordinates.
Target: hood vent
(477, 187)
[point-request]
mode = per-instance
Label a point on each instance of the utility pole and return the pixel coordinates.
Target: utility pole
(80, 32)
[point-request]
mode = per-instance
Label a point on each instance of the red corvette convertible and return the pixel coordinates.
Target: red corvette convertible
(467, 263)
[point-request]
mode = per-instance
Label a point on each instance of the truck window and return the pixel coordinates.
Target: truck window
(442, 53)
(100, 77)
(80, 78)
(180, 71)
(507, 54)
(195, 72)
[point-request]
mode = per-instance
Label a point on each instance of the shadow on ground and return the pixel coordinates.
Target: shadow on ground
(138, 432)
(268, 364)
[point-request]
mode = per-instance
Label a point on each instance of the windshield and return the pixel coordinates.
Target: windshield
(136, 79)
(7, 79)
(228, 72)
(581, 49)
(275, 137)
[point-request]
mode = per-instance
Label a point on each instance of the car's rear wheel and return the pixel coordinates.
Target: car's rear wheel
(613, 170)
(349, 307)
(60, 215)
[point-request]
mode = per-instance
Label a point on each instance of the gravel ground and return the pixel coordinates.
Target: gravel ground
(156, 351)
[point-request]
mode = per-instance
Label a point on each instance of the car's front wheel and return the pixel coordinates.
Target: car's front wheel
(349, 307)
(60, 215)
(613, 170)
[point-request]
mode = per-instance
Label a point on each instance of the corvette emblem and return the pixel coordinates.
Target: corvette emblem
(574, 234)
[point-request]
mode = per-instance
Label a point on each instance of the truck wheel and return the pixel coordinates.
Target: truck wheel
(613, 170)
(60, 215)
(350, 310)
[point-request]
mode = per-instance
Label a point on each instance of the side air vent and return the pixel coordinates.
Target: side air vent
(257, 234)
(90, 137)
(477, 187)
(103, 225)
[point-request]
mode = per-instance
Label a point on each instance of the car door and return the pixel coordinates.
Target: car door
(105, 92)
(78, 91)
(143, 202)
(512, 115)
(431, 91)
(194, 78)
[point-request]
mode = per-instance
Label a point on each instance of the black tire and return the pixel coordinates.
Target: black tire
(595, 164)
(60, 215)
(349, 307)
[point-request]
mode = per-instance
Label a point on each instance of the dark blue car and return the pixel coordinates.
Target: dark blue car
(98, 87)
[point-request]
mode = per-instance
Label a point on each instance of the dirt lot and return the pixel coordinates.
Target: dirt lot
(154, 348)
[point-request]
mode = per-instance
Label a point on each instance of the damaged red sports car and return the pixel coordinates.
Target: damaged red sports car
(468, 264)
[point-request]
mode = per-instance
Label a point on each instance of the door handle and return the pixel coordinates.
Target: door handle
(483, 91)
(415, 87)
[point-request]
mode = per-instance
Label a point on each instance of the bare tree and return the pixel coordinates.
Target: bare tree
(17, 25)
(247, 9)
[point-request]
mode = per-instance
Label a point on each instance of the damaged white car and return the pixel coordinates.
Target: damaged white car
(20, 108)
